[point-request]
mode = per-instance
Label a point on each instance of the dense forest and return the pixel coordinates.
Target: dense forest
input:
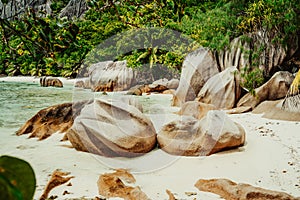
(55, 42)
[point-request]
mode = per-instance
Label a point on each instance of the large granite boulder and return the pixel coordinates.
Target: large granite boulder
(273, 110)
(13, 9)
(195, 109)
(230, 190)
(57, 118)
(276, 88)
(191, 137)
(272, 54)
(222, 90)
(197, 68)
(83, 83)
(50, 81)
(235, 55)
(138, 90)
(112, 129)
(111, 76)
(74, 9)
(170, 84)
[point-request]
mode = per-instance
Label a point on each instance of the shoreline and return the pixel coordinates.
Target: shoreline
(264, 162)
(270, 159)
(34, 79)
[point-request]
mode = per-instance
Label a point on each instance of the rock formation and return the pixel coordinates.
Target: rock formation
(276, 88)
(50, 81)
(170, 84)
(112, 185)
(232, 191)
(83, 83)
(197, 68)
(57, 178)
(273, 110)
(13, 8)
(57, 118)
(195, 109)
(222, 90)
(272, 54)
(202, 64)
(74, 9)
(112, 129)
(191, 137)
(138, 90)
(111, 76)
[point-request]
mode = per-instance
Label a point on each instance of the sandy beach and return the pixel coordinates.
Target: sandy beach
(270, 159)
(32, 79)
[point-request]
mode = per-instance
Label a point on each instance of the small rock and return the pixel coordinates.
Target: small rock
(66, 192)
(290, 163)
(112, 185)
(230, 190)
(195, 109)
(171, 195)
(50, 81)
(191, 193)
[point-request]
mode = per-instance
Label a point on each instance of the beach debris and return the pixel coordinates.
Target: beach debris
(190, 193)
(171, 195)
(57, 178)
(228, 189)
(112, 185)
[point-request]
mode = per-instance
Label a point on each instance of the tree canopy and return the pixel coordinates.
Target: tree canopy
(39, 44)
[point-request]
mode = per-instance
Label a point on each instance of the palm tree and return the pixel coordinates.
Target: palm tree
(292, 99)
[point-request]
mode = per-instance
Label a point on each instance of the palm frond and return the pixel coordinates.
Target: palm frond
(292, 99)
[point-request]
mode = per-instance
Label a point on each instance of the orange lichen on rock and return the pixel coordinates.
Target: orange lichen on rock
(232, 191)
(57, 178)
(112, 185)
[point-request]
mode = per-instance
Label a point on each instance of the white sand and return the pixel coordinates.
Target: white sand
(263, 161)
(33, 79)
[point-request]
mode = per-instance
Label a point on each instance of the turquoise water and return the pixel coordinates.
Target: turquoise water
(20, 101)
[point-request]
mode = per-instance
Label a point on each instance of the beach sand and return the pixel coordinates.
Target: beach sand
(270, 159)
(33, 79)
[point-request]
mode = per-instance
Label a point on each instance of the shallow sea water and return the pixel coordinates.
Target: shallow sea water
(21, 100)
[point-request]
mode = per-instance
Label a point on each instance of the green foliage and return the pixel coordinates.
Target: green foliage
(282, 16)
(36, 45)
(17, 179)
(251, 79)
(212, 27)
(144, 47)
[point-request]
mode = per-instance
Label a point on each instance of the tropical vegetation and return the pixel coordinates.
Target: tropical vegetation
(38, 44)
